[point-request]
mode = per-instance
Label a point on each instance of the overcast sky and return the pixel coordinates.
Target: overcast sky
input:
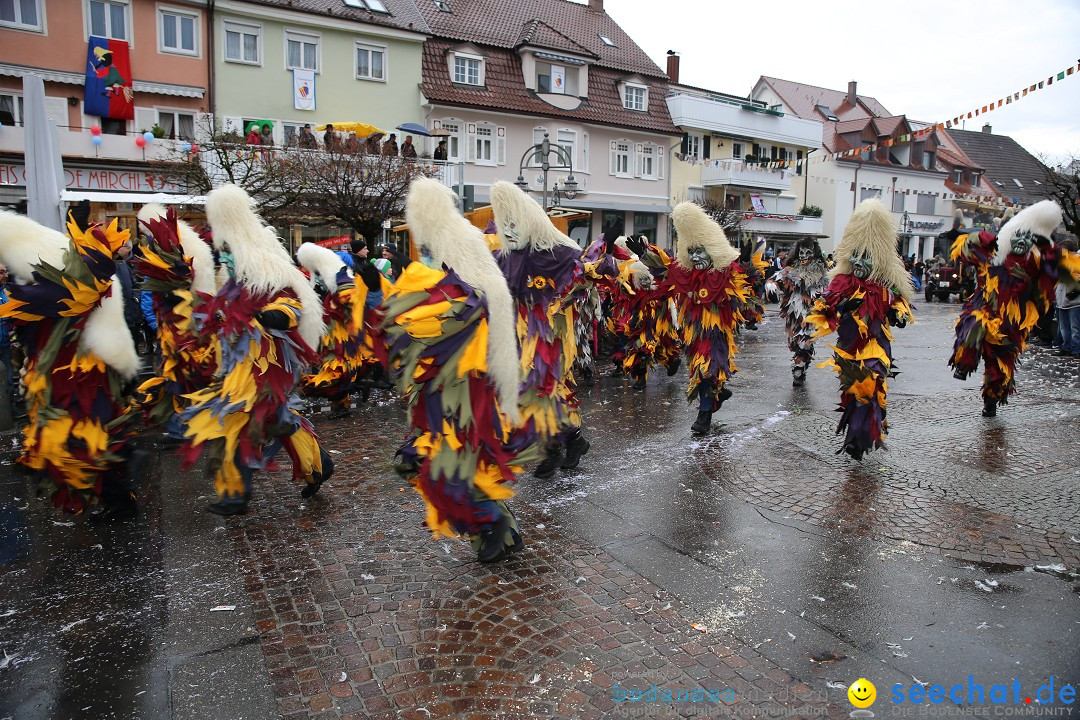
(928, 61)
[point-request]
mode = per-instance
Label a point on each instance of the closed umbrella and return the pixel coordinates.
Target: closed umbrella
(44, 169)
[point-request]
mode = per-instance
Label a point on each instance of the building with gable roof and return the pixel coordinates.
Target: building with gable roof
(1008, 170)
(890, 159)
(500, 74)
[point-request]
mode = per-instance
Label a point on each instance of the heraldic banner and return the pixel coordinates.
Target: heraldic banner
(108, 91)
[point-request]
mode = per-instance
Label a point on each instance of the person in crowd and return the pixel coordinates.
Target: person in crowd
(330, 138)
(307, 139)
(132, 312)
(390, 147)
(1068, 311)
(440, 151)
(397, 260)
(408, 150)
(352, 143)
(253, 136)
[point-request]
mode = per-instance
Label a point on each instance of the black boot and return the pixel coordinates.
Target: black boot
(724, 395)
(575, 448)
(317, 478)
(551, 462)
(639, 381)
(960, 374)
(113, 513)
(587, 377)
(673, 366)
(493, 540)
(703, 422)
(798, 375)
(227, 509)
(989, 407)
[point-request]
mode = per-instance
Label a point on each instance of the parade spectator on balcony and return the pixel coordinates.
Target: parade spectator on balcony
(440, 151)
(390, 147)
(372, 145)
(408, 150)
(352, 143)
(266, 139)
(330, 138)
(253, 136)
(307, 139)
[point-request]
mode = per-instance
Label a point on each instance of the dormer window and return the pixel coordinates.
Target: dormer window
(636, 97)
(468, 69)
(606, 40)
(442, 6)
(829, 114)
(369, 5)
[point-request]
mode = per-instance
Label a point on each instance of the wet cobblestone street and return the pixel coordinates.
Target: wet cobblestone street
(753, 559)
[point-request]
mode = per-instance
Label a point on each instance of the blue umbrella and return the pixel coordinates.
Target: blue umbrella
(414, 128)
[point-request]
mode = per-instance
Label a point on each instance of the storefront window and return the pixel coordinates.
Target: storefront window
(645, 224)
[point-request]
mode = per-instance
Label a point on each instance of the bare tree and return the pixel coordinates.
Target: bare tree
(358, 188)
(730, 220)
(351, 184)
(1063, 185)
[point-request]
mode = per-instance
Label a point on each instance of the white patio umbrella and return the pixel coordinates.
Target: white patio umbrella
(44, 169)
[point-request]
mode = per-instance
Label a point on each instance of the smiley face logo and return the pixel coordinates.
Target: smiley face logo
(862, 693)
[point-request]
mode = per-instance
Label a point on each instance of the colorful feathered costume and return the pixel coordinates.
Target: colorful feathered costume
(179, 270)
(641, 312)
(341, 346)
(543, 269)
(450, 334)
(267, 321)
(589, 315)
(869, 291)
(80, 355)
(713, 296)
(1016, 273)
(802, 281)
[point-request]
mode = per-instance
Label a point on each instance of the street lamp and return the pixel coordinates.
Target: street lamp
(905, 236)
(541, 152)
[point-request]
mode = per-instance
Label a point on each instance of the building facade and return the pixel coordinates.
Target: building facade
(499, 75)
(297, 62)
(889, 158)
(739, 154)
(165, 50)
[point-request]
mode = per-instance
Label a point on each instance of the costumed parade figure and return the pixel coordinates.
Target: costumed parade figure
(713, 295)
(178, 267)
(267, 321)
(801, 283)
(641, 312)
(869, 290)
(543, 269)
(450, 334)
(68, 312)
(344, 302)
(1016, 273)
(589, 316)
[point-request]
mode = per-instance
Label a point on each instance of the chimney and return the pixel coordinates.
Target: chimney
(852, 96)
(986, 128)
(596, 5)
(673, 66)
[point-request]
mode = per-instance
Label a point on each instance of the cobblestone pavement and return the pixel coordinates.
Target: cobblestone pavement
(754, 560)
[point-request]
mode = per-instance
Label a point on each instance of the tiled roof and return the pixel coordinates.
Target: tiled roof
(539, 34)
(888, 125)
(499, 23)
(803, 100)
(1005, 160)
(403, 14)
(504, 89)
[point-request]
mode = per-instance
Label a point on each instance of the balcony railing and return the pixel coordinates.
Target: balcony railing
(745, 119)
(779, 223)
(735, 172)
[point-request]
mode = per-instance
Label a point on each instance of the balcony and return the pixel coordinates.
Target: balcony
(728, 117)
(77, 143)
(737, 173)
(773, 224)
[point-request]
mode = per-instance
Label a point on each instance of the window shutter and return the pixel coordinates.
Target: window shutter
(706, 142)
(500, 146)
(685, 148)
(585, 152)
(612, 155)
(757, 151)
(637, 161)
(659, 162)
(470, 143)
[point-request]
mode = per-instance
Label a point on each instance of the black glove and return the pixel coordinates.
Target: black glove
(273, 319)
(1072, 295)
(636, 246)
(849, 305)
(1041, 241)
(609, 241)
(895, 320)
(370, 275)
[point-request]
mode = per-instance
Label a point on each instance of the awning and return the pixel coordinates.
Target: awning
(785, 234)
(586, 203)
(73, 78)
(132, 197)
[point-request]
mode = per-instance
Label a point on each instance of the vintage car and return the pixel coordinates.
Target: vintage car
(942, 281)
